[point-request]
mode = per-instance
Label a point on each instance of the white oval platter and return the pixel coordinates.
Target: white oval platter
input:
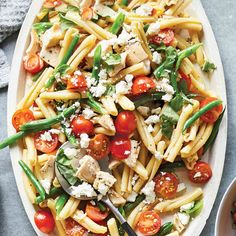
(215, 156)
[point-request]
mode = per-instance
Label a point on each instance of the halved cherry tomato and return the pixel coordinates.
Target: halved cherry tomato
(33, 63)
(42, 144)
(94, 213)
(44, 221)
(87, 13)
(166, 184)
(21, 117)
(187, 79)
(125, 123)
(149, 223)
(142, 84)
(212, 115)
(81, 125)
(99, 146)
(120, 147)
(52, 3)
(77, 82)
(201, 173)
(73, 228)
(165, 36)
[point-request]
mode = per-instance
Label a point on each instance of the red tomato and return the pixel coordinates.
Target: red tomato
(149, 223)
(125, 123)
(99, 146)
(200, 152)
(166, 184)
(201, 173)
(21, 117)
(33, 64)
(44, 145)
(87, 14)
(52, 3)
(73, 228)
(165, 36)
(120, 147)
(234, 217)
(94, 213)
(81, 125)
(187, 79)
(142, 84)
(212, 115)
(44, 221)
(77, 82)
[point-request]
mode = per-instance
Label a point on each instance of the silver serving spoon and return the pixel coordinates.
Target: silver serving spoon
(104, 166)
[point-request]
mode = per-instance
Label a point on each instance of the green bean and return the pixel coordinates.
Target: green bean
(171, 166)
(64, 60)
(101, 207)
(214, 133)
(97, 62)
(124, 3)
(33, 179)
(12, 139)
(53, 192)
(173, 81)
(145, 98)
(36, 76)
(128, 207)
(165, 229)
(198, 114)
(47, 123)
(122, 211)
(186, 53)
(116, 26)
(71, 137)
(61, 201)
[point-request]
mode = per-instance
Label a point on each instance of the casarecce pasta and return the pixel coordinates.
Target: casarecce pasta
(118, 79)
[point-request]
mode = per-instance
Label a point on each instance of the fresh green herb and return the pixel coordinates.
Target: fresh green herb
(61, 201)
(41, 27)
(33, 179)
(177, 102)
(115, 28)
(182, 86)
(208, 66)
(196, 210)
(60, 86)
(128, 207)
(198, 114)
(43, 15)
(70, 136)
(122, 211)
(124, 3)
(169, 118)
(65, 23)
(64, 166)
(214, 132)
(113, 59)
(145, 27)
(145, 98)
(101, 207)
(111, 89)
(36, 76)
(161, 48)
(97, 62)
(53, 192)
(173, 81)
(165, 229)
(171, 166)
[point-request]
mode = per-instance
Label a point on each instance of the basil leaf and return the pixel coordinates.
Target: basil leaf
(41, 27)
(113, 59)
(177, 102)
(196, 210)
(208, 66)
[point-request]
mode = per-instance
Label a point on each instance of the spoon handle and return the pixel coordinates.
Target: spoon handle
(121, 219)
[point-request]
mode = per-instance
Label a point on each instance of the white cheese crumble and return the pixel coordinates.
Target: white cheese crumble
(153, 119)
(102, 74)
(158, 155)
(88, 113)
(84, 140)
(184, 218)
(167, 97)
(71, 152)
(46, 136)
(150, 128)
(98, 90)
(46, 185)
(164, 86)
(124, 86)
(156, 111)
(144, 10)
(77, 72)
(83, 189)
(132, 197)
(153, 28)
(156, 58)
(148, 190)
(144, 111)
(134, 179)
(181, 187)
(187, 206)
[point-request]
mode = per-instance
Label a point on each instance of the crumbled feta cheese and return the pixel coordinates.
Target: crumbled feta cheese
(88, 113)
(187, 206)
(164, 86)
(77, 72)
(83, 189)
(148, 190)
(132, 197)
(54, 131)
(71, 152)
(156, 58)
(46, 185)
(156, 111)
(150, 128)
(153, 28)
(46, 136)
(144, 111)
(158, 155)
(144, 10)
(184, 218)
(124, 86)
(134, 152)
(181, 187)
(102, 74)
(134, 179)
(98, 90)
(84, 140)
(198, 174)
(153, 119)
(129, 78)
(167, 97)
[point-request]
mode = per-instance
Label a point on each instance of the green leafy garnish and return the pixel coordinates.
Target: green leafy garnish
(65, 23)
(196, 209)
(41, 27)
(113, 59)
(65, 168)
(72, 8)
(208, 66)
(177, 102)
